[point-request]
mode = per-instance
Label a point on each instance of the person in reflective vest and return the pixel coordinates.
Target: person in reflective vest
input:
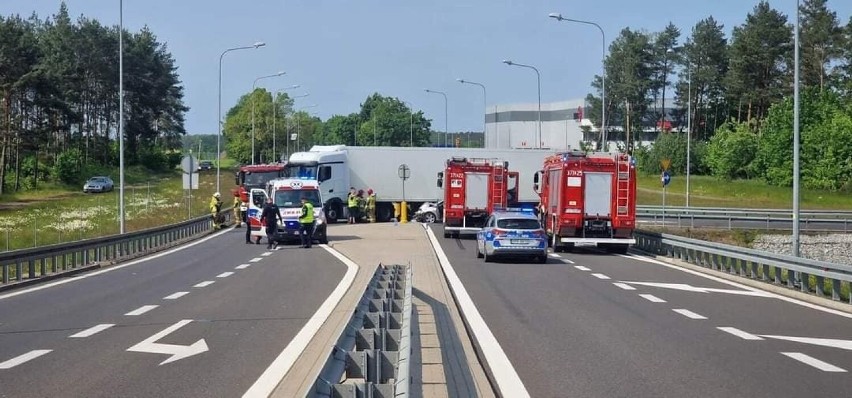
(371, 205)
(306, 223)
(352, 204)
(215, 208)
(237, 214)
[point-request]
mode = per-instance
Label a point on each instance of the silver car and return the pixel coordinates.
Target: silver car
(512, 234)
(98, 184)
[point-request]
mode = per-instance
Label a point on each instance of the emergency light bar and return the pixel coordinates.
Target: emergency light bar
(515, 209)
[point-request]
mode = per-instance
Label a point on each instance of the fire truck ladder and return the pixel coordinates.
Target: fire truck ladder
(499, 185)
(622, 195)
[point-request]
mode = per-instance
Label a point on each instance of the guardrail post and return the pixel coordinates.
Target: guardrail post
(5, 273)
(805, 280)
(820, 286)
(778, 275)
(836, 287)
(31, 267)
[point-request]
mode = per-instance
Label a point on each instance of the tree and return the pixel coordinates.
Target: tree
(664, 57)
(340, 130)
(387, 121)
(843, 72)
(820, 39)
(761, 49)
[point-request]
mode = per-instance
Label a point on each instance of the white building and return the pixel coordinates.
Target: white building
(516, 125)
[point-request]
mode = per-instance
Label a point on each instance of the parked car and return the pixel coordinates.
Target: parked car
(205, 165)
(512, 234)
(98, 184)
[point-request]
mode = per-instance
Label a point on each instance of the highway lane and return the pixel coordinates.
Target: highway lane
(257, 302)
(612, 328)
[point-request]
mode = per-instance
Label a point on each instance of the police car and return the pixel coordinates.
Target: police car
(512, 233)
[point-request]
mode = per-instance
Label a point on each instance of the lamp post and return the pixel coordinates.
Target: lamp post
(219, 120)
(446, 130)
(121, 226)
(289, 125)
(484, 105)
(538, 76)
(796, 139)
(410, 123)
(298, 123)
(559, 17)
(254, 87)
(688, 124)
(274, 117)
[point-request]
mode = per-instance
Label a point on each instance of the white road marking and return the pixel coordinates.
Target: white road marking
(23, 358)
(809, 360)
(624, 286)
(92, 330)
(690, 288)
(600, 276)
(508, 381)
(689, 314)
(582, 268)
(175, 296)
(177, 352)
(739, 333)
(739, 285)
(833, 343)
(204, 284)
(554, 255)
(567, 261)
(256, 259)
(652, 298)
(266, 254)
(141, 310)
(242, 266)
(267, 381)
(114, 268)
(224, 274)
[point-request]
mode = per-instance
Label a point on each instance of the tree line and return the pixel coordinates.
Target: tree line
(739, 90)
(59, 82)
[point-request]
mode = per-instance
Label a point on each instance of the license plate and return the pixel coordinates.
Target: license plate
(519, 241)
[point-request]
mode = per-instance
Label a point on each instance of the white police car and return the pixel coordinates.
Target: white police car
(512, 233)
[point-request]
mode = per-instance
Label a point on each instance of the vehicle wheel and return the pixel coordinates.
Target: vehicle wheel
(384, 212)
(333, 212)
(542, 259)
(478, 253)
(487, 258)
(429, 217)
(446, 234)
(569, 248)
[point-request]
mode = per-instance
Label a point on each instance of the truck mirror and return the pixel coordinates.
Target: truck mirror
(440, 179)
(535, 178)
(535, 188)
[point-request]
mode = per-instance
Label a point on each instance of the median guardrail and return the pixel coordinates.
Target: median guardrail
(772, 219)
(29, 265)
(742, 212)
(819, 278)
(372, 356)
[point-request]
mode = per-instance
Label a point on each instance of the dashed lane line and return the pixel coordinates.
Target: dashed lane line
(267, 254)
(582, 268)
(600, 276)
(225, 274)
(23, 358)
(809, 360)
(256, 259)
(141, 310)
(175, 296)
(567, 261)
(624, 286)
(242, 266)
(739, 333)
(91, 331)
(554, 255)
(652, 298)
(689, 314)
(204, 284)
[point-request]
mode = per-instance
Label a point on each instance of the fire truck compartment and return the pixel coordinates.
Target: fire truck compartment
(476, 191)
(598, 194)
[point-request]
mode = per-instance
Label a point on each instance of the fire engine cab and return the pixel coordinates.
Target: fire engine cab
(588, 199)
(287, 194)
(475, 187)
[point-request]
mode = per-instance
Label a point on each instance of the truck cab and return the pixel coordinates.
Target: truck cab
(328, 166)
(286, 193)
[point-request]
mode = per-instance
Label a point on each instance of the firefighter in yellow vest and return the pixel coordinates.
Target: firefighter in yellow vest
(237, 203)
(371, 205)
(306, 223)
(215, 208)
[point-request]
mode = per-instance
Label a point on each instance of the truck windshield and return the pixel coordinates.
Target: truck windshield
(302, 171)
(518, 223)
(293, 199)
(260, 178)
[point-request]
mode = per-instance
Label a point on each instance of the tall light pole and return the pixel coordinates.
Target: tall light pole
(219, 120)
(121, 227)
(538, 76)
(254, 87)
(298, 123)
(410, 123)
(484, 105)
(559, 17)
(446, 130)
(688, 124)
(796, 139)
(274, 117)
(289, 125)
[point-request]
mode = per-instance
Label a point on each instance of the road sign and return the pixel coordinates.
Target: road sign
(665, 164)
(188, 164)
(190, 180)
(404, 172)
(177, 352)
(666, 178)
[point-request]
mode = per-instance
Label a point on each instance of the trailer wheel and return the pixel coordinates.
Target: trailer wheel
(384, 212)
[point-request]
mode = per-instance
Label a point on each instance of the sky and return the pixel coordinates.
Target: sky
(340, 52)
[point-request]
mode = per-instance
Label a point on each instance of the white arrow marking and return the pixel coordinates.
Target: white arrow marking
(177, 352)
(256, 259)
(689, 288)
(833, 343)
(92, 330)
(242, 266)
(809, 360)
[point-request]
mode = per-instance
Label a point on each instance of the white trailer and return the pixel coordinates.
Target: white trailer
(340, 167)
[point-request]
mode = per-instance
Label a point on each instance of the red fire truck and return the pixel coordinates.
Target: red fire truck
(588, 199)
(256, 176)
(475, 187)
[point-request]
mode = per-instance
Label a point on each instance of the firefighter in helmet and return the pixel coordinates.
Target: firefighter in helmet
(237, 203)
(371, 205)
(215, 208)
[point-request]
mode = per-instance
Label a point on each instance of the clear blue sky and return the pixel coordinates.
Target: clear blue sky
(342, 51)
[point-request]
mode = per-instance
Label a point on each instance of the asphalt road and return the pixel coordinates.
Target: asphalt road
(245, 317)
(572, 332)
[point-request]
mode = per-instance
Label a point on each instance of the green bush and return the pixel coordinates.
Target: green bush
(67, 168)
(731, 151)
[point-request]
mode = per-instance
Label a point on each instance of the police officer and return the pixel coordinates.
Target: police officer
(306, 223)
(270, 216)
(215, 208)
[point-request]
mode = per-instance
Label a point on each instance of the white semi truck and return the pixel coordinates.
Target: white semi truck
(339, 167)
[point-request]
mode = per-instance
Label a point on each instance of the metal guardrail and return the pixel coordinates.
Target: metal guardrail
(743, 212)
(22, 266)
(372, 356)
(809, 276)
(682, 217)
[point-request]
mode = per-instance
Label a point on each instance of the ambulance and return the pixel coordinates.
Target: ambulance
(287, 193)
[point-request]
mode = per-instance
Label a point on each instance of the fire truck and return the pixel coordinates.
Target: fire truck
(256, 176)
(475, 188)
(287, 193)
(588, 199)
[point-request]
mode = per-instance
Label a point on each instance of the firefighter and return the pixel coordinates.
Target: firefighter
(215, 208)
(306, 223)
(237, 203)
(371, 205)
(362, 206)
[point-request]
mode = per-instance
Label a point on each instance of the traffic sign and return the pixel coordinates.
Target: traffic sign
(404, 172)
(665, 163)
(188, 164)
(666, 178)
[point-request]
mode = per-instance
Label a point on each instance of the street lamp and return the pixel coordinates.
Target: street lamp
(298, 124)
(538, 76)
(274, 117)
(484, 103)
(446, 130)
(219, 120)
(559, 17)
(254, 87)
(796, 139)
(121, 226)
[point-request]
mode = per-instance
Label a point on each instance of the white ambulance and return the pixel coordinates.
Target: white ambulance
(287, 193)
